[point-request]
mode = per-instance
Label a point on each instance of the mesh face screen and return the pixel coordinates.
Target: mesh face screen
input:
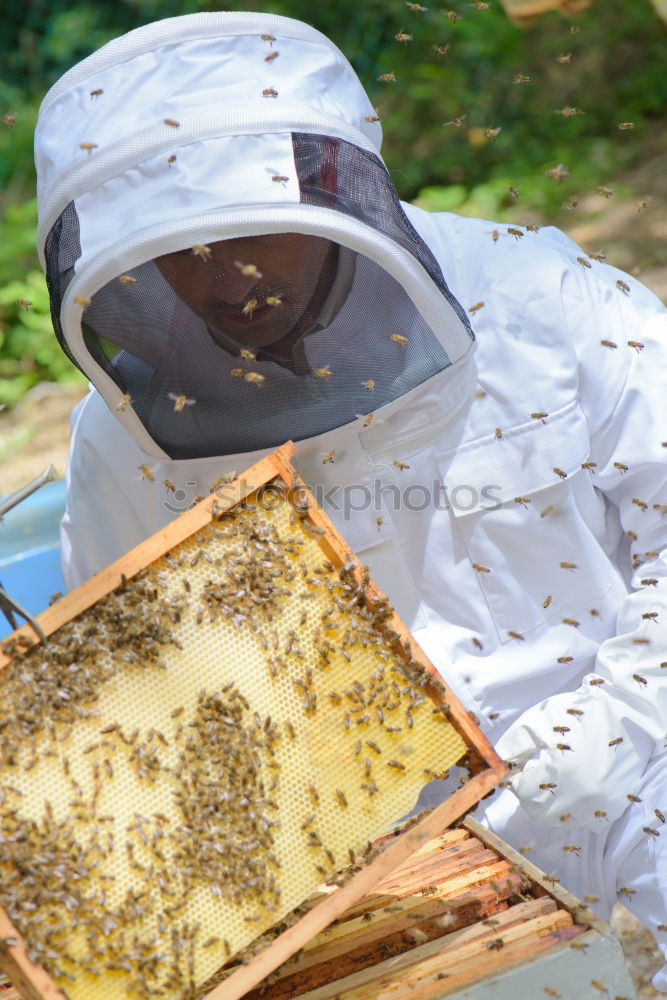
(256, 374)
(186, 762)
(62, 249)
(270, 337)
(338, 175)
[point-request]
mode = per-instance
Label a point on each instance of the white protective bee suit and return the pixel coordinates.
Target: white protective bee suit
(507, 494)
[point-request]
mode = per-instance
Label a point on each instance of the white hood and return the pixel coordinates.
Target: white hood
(209, 127)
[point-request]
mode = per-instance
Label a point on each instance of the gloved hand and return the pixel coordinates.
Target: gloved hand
(579, 756)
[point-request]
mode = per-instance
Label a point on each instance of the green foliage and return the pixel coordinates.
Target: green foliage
(452, 68)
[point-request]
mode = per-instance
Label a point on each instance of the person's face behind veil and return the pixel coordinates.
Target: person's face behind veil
(259, 291)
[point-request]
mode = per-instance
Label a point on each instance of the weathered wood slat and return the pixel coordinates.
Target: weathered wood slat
(338, 963)
(412, 974)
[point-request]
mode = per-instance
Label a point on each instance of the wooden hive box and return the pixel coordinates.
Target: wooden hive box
(465, 918)
(221, 721)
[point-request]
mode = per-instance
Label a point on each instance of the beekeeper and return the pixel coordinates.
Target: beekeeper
(477, 406)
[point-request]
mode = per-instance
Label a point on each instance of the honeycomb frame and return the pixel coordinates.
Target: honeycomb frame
(486, 768)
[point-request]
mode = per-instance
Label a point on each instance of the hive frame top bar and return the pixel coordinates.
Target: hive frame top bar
(32, 981)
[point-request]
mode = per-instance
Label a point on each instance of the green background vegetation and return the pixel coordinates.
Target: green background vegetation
(452, 68)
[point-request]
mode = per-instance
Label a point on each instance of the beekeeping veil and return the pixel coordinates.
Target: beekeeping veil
(227, 258)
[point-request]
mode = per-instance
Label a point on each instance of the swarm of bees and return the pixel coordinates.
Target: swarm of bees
(155, 819)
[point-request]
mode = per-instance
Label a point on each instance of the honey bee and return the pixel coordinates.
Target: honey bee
(329, 457)
(516, 635)
(146, 472)
(237, 372)
(638, 346)
(568, 565)
(492, 134)
(547, 601)
(369, 385)
(172, 123)
(341, 798)
(583, 262)
(88, 146)
(386, 78)
(480, 5)
(571, 621)
(279, 178)
(569, 112)
(269, 92)
(564, 659)
(171, 159)
(458, 121)
(323, 372)
(596, 681)
(396, 765)
(623, 287)
(571, 204)
(127, 279)
(274, 300)
(520, 78)
(563, 747)
(661, 816)
(532, 227)
(202, 251)
(380, 521)
(626, 126)
(561, 729)
(609, 343)
(548, 786)
(637, 677)
(480, 569)
(124, 400)
(368, 420)
(452, 15)
(371, 118)
(402, 36)
(560, 473)
(547, 510)
(591, 466)
(496, 944)
(268, 38)
(271, 56)
(247, 354)
(416, 8)
(400, 465)
(255, 378)
(169, 486)
(615, 742)
(398, 338)
(477, 306)
(476, 643)
(564, 58)
(498, 433)
(558, 173)
(621, 468)
(649, 582)
(249, 307)
(640, 503)
(180, 401)
(650, 831)
(8, 120)
(82, 301)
